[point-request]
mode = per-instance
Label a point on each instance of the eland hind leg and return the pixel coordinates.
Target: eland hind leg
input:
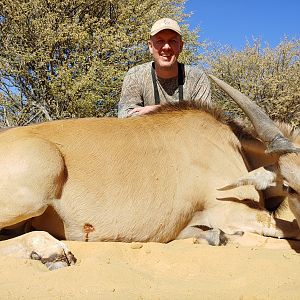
(39, 245)
(32, 174)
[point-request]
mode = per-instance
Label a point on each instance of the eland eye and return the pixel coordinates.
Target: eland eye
(285, 187)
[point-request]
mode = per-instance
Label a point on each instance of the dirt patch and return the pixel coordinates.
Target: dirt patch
(263, 268)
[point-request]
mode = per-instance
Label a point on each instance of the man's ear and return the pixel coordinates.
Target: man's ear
(150, 46)
(181, 45)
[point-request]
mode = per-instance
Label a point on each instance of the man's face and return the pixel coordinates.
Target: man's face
(165, 47)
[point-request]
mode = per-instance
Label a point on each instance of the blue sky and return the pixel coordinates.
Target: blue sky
(233, 22)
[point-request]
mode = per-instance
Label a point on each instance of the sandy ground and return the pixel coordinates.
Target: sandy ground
(262, 268)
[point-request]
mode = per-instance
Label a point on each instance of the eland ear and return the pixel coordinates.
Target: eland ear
(260, 178)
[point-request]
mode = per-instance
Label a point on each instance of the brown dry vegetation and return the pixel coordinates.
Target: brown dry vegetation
(271, 77)
(65, 59)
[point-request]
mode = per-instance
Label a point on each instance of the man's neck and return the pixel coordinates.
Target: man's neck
(167, 73)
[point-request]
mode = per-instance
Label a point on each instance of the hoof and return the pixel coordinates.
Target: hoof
(55, 261)
(217, 237)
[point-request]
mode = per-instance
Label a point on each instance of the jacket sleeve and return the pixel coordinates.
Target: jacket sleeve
(131, 95)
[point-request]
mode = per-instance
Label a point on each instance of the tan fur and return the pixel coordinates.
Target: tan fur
(138, 179)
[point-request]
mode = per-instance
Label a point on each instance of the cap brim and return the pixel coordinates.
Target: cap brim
(154, 32)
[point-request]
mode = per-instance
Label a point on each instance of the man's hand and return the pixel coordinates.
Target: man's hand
(142, 110)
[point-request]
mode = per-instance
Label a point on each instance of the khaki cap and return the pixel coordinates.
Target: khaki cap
(165, 23)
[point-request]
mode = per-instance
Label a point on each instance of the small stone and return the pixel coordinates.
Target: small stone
(136, 245)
